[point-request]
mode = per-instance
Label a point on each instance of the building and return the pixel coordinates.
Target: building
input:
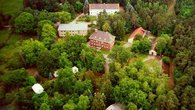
(72, 29)
(37, 88)
(139, 31)
(116, 106)
(95, 9)
(75, 69)
(102, 40)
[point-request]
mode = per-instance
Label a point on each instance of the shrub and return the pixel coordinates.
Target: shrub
(166, 60)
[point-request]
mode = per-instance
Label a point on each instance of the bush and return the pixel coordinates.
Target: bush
(166, 60)
(15, 62)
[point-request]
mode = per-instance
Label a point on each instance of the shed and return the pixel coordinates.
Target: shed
(75, 69)
(115, 106)
(37, 88)
(55, 74)
(152, 52)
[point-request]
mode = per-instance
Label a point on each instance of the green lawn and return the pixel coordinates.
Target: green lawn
(12, 44)
(154, 65)
(3, 35)
(10, 7)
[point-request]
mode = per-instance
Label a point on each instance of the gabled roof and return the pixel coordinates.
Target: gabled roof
(104, 6)
(79, 26)
(138, 31)
(102, 36)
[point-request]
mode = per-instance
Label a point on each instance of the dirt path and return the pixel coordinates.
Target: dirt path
(171, 6)
(34, 72)
(171, 75)
(149, 57)
(75, 20)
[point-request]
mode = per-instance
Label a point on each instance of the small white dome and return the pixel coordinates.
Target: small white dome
(75, 69)
(37, 88)
(56, 73)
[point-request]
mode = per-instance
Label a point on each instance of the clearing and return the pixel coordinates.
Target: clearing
(10, 7)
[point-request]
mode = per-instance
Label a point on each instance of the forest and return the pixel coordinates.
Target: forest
(31, 51)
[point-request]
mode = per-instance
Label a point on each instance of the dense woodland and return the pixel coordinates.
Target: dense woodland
(131, 83)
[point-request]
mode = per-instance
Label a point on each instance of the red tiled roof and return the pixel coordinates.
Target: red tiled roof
(138, 31)
(102, 36)
(104, 6)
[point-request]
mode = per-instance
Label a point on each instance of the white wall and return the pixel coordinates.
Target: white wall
(95, 12)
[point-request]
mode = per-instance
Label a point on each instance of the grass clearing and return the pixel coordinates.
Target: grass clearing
(87, 18)
(4, 34)
(12, 44)
(154, 65)
(10, 7)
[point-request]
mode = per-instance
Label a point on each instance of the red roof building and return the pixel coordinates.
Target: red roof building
(138, 31)
(102, 40)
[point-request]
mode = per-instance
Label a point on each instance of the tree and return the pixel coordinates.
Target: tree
(106, 88)
(44, 106)
(48, 35)
(98, 63)
(39, 99)
(73, 47)
(132, 106)
(120, 54)
(70, 105)
(106, 27)
(142, 46)
(57, 101)
(40, 26)
(31, 50)
(119, 28)
(168, 101)
(65, 81)
(46, 63)
(64, 61)
(82, 87)
(15, 78)
(164, 45)
(83, 103)
(98, 102)
(63, 17)
(24, 23)
(78, 6)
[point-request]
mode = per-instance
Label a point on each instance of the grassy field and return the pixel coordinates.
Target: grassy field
(10, 7)
(4, 34)
(154, 65)
(12, 45)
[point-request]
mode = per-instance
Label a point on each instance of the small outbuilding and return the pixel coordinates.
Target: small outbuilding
(115, 106)
(75, 69)
(152, 52)
(37, 88)
(55, 74)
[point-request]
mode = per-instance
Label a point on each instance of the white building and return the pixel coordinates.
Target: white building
(72, 29)
(95, 9)
(116, 106)
(37, 88)
(75, 69)
(55, 74)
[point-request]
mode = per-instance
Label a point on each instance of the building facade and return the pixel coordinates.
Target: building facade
(102, 40)
(72, 29)
(95, 9)
(139, 31)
